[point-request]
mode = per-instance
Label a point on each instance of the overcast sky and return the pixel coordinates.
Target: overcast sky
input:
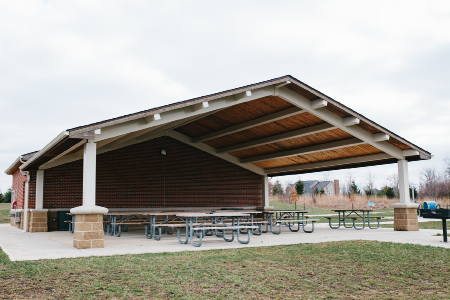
(70, 63)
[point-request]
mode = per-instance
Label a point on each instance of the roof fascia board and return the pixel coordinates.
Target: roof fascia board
(63, 135)
(329, 163)
(18, 160)
(339, 122)
(357, 115)
(178, 114)
(232, 159)
(279, 137)
(305, 150)
(186, 103)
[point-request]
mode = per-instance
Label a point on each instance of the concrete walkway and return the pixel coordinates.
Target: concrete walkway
(21, 246)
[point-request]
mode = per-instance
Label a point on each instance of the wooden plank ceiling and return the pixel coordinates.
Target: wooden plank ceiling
(256, 109)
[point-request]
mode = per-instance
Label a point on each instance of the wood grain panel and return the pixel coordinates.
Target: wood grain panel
(352, 151)
(234, 115)
(305, 141)
(281, 126)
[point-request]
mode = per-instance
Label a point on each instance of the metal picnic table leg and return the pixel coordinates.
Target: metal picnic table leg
(192, 235)
(271, 226)
(232, 232)
(149, 228)
(248, 234)
(187, 233)
(309, 231)
(298, 223)
(368, 221)
(364, 222)
(353, 224)
(117, 228)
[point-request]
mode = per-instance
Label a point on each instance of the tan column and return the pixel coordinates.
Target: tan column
(405, 212)
(88, 231)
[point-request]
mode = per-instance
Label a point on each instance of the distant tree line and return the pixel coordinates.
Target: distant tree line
(5, 197)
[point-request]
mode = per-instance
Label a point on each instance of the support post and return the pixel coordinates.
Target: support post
(265, 193)
(405, 212)
(88, 231)
(37, 218)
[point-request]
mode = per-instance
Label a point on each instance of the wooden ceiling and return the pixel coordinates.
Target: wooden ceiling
(256, 109)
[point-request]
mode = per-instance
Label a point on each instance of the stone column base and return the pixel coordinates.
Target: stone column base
(37, 220)
(88, 231)
(405, 217)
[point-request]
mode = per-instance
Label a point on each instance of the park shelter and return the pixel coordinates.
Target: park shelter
(215, 151)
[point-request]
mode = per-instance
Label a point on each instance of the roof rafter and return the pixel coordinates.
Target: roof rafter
(252, 123)
(329, 163)
(337, 121)
(279, 137)
(305, 150)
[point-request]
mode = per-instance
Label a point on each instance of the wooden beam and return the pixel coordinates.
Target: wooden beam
(350, 121)
(82, 142)
(232, 159)
(279, 137)
(319, 103)
(379, 137)
(253, 123)
(337, 121)
(152, 118)
(329, 163)
(199, 106)
(304, 150)
(178, 114)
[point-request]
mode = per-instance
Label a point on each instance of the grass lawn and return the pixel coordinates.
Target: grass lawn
(425, 225)
(4, 212)
(356, 270)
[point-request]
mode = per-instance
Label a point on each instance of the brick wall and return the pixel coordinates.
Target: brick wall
(32, 189)
(19, 187)
(137, 176)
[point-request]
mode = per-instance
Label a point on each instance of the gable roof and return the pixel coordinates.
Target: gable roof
(275, 127)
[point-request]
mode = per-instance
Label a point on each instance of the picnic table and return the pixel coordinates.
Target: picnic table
(199, 224)
(119, 221)
(354, 214)
(289, 218)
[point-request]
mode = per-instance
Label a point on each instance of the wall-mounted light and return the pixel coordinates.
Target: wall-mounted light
(163, 152)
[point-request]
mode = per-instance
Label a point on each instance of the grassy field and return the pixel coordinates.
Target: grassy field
(425, 225)
(4, 212)
(356, 270)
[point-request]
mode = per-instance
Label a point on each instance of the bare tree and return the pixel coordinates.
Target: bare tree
(393, 182)
(369, 188)
(429, 182)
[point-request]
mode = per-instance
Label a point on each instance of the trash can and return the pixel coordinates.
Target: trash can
(429, 205)
(63, 216)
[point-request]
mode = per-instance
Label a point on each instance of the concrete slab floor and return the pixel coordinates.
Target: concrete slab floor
(20, 246)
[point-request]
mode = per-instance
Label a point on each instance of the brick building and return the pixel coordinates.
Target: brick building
(215, 151)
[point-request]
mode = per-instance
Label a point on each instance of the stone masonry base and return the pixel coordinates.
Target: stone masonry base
(37, 221)
(88, 231)
(405, 219)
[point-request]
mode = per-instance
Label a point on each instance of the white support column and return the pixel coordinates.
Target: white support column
(403, 181)
(265, 192)
(89, 182)
(89, 172)
(405, 212)
(40, 189)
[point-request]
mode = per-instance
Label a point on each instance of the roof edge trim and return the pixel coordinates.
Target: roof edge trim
(44, 150)
(18, 160)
